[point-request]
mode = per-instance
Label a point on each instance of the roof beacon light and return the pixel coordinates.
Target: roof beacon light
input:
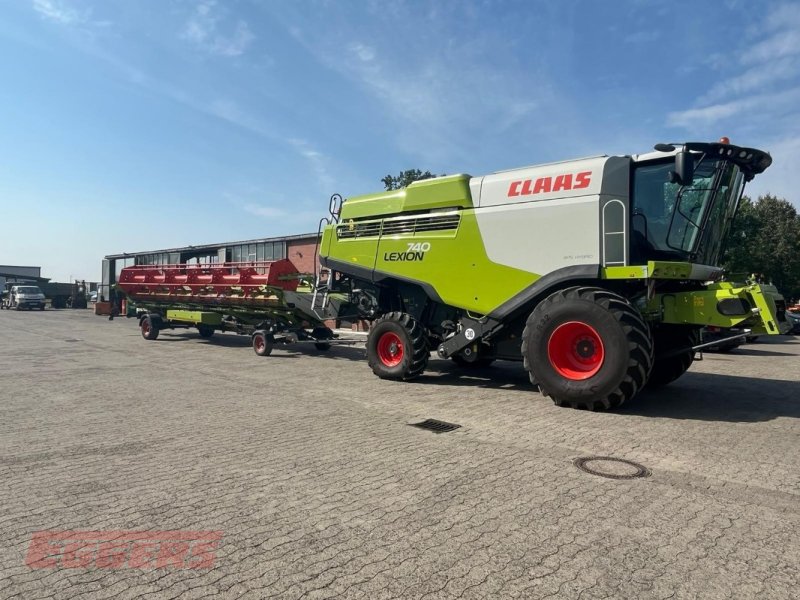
(724, 140)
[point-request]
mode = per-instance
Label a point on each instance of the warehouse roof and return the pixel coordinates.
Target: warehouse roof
(202, 247)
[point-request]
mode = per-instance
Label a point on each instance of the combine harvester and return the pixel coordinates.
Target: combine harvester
(259, 299)
(598, 274)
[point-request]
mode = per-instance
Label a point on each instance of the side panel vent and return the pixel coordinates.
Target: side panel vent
(395, 226)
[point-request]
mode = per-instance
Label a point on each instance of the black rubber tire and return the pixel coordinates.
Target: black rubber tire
(673, 353)
(322, 333)
(414, 342)
(628, 348)
(205, 331)
(149, 327)
(262, 345)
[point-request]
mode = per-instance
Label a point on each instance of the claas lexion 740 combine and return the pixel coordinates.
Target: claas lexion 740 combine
(596, 273)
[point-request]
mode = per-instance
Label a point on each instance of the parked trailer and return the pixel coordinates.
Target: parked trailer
(259, 299)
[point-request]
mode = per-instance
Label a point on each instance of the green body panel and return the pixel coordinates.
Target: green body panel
(670, 270)
(660, 269)
(428, 194)
(699, 307)
(455, 266)
(629, 272)
(194, 316)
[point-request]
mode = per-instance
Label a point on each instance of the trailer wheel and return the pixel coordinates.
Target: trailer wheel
(262, 344)
(397, 347)
(674, 354)
(149, 328)
(205, 331)
(322, 333)
(587, 348)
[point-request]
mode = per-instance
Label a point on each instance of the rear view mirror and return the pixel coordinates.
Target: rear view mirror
(684, 168)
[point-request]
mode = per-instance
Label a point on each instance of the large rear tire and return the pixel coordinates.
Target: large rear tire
(397, 347)
(587, 348)
(673, 353)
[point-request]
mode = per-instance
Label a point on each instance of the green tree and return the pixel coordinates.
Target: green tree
(405, 178)
(765, 239)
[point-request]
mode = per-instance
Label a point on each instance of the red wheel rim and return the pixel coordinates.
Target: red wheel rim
(146, 327)
(575, 350)
(259, 343)
(390, 349)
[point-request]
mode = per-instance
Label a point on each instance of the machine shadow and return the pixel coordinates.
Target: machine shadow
(695, 396)
(713, 397)
(354, 352)
(758, 352)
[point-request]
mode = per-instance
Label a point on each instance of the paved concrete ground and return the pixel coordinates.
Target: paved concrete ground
(307, 466)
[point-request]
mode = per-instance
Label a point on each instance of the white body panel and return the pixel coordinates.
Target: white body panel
(544, 218)
(531, 236)
(568, 179)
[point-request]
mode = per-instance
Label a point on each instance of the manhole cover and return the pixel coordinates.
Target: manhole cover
(613, 468)
(436, 426)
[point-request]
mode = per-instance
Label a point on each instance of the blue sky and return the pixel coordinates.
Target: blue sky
(130, 126)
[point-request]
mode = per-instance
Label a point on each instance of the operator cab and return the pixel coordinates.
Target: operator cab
(684, 200)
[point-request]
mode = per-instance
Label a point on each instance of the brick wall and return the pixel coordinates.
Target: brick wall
(301, 253)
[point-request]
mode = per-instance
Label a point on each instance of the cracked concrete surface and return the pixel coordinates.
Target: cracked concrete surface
(306, 463)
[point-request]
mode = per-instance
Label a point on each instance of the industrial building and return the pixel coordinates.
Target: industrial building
(300, 249)
(19, 274)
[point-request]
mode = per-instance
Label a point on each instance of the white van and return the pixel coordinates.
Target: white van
(26, 296)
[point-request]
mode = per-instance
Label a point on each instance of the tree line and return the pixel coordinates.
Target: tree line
(765, 240)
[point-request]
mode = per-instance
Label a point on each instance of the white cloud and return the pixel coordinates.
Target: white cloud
(364, 53)
(205, 30)
(755, 79)
(55, 10)
(783, 43)
(707, 115)
(317, 160)
(762, 86)
(642, 37)
(756, 107)
(269, 212)
(432, 101)
(780, 178)
(61, 12)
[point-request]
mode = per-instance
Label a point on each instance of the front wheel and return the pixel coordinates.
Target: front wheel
(397, 347)
(587, 348)
(205, 331)
(262, 345)
(149, 328)
(673, 353)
